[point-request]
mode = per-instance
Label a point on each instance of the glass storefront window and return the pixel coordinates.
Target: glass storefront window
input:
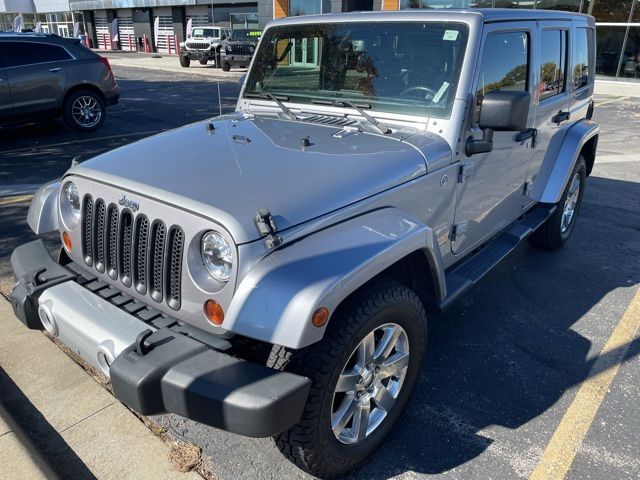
(564, 5)
(612, 10)
(630, 68)
(305, 7)
(610, 40)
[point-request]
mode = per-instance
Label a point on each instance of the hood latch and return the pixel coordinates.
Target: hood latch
(267, 228)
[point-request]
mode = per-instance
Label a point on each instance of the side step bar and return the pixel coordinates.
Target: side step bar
(470, 271)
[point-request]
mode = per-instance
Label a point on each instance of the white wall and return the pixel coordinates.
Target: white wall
(49, 6)
(17, 6)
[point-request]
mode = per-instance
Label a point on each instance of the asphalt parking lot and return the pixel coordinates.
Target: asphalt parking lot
(506, 367)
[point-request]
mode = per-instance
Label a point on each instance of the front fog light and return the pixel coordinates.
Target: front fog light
(216, 255)
(70, 204)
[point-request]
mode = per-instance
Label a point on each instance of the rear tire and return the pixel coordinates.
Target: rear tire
(226, 66)
(84, 111)
(185, 61)
(558, 228)
(322, 443)
(203, 62)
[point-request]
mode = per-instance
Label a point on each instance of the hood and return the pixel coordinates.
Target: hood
(229, 167)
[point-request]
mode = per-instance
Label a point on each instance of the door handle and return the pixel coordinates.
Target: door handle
(560, 117)
(54, 70)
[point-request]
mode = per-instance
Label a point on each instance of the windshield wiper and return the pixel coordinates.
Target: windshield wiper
(278, 101)
(382, 128)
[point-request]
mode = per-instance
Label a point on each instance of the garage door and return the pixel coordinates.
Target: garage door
(103, 31)
(125, 32)
(165, 42)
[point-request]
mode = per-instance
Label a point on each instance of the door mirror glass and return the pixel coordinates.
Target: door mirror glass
(504, 111)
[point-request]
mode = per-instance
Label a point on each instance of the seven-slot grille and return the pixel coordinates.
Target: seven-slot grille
(144, 254)
(199, 45)
(240, 49)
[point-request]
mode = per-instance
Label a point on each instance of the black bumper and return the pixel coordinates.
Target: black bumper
(199, 55)
(169, 372)
(235, 60)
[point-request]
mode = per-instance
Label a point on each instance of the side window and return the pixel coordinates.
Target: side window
(583, 53)
(27, 53)
(505, 65)
(553, 55)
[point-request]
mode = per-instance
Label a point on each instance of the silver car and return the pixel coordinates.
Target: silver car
(45, 76)
(277, 277)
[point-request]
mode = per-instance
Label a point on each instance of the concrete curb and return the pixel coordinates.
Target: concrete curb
(78, 417)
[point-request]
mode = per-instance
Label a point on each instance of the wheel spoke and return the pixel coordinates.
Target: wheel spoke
(394, 365)
(361, 421)
(384, 399)
(388, 341)
(347, 381)
(340, 418)
(366, 349)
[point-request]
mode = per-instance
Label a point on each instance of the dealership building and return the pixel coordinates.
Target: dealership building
(125, 24)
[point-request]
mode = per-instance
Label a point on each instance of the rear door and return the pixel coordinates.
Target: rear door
(37, 76)
(6, 104)
(552, 94)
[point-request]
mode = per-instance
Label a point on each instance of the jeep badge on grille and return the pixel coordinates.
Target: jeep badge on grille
(128, 203)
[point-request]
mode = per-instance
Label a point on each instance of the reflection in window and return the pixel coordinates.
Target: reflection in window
(610, 40)
(553, 51)
(309, 7)
(504, 64)
(583, 52)
(612, 10)
(631, 58)
(563, 5)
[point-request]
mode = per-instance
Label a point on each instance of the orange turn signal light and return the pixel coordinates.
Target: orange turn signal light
(320, 317)
(66, 239)
(213, 311)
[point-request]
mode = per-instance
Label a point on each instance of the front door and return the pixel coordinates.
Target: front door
(552, 116)
(305, 52)
(491, 190)
(37, 76)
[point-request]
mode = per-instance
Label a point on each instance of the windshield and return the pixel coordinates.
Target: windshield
(205, 32)
(245, 34)
(408, 68)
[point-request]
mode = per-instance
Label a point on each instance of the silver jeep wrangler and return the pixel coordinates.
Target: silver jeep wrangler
(275, 279)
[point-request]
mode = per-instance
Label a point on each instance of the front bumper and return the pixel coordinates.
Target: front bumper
(199, 54)
(235, 60)
(154, 366)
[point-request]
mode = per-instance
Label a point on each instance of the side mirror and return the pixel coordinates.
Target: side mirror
(501, 111)
(505, 111)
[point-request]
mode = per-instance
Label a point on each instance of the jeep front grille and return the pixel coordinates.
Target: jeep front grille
(240, 50)
(144, 254)
(198, 45)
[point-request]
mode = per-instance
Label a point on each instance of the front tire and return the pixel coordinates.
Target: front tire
(185, 61)
(362, 372)
(84, 111)
(558, 228)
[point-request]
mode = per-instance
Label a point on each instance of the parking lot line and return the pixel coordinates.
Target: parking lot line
(557, 458)
(613, 100)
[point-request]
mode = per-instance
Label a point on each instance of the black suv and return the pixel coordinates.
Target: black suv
(45, 76)
(237, 50)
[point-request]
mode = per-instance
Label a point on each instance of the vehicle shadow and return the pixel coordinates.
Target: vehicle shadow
(507, 351)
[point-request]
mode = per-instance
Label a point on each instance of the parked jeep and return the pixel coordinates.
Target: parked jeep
(238, 49)
(277, 279)
(203, 45)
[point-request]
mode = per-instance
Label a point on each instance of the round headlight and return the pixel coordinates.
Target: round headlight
(71, 199)
(217, 256)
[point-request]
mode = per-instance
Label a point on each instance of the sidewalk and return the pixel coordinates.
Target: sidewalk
(170, 63)
(79, 428)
